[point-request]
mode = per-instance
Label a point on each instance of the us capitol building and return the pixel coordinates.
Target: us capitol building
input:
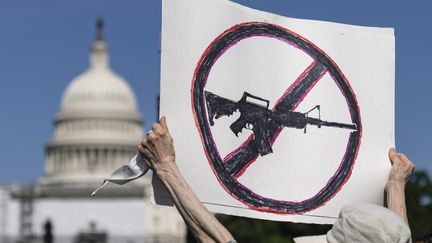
(96, 131)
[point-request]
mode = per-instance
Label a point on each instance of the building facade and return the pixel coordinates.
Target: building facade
(96, 131)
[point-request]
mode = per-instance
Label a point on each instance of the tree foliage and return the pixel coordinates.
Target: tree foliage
(419, 204)
(260, 231)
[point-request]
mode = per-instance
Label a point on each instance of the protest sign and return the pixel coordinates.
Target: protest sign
(273, 117)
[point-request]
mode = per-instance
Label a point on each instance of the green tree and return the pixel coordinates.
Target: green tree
(263, 231)
(419, 204)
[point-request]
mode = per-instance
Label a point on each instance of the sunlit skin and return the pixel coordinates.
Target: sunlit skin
(158, 150)
(400, 172)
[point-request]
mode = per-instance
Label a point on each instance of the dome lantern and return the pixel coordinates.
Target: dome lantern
(99, 56)
(99, 29)
(99, 88)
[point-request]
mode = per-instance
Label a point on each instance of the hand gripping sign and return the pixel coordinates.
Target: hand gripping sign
(266, 123)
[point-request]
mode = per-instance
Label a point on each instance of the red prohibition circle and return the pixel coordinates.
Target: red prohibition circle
(228, 170)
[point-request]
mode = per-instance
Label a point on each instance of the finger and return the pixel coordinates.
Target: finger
(406, 161)
(143, 142)
(146, 149)
(140, 148)
(157, 128)
(163, 123)
(150, 137)
(393, 156)
(147, 157)
(403, 157)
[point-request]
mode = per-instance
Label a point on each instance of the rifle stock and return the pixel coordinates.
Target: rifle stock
(218, 106)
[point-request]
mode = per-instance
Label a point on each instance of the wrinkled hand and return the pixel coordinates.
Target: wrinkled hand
(400, 172)
(158, 149)
(401, 168)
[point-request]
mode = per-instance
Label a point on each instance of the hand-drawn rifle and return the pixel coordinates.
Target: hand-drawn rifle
(261, 120)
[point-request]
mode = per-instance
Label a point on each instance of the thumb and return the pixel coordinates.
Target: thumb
(393, 155)
(163, 123)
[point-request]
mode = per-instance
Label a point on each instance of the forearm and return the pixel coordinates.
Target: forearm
(395, 192)
(201, 222)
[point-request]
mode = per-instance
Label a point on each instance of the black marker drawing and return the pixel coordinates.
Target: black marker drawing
(207, 106)
(261, 120)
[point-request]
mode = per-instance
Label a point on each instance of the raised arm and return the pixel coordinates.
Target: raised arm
(158, 151)
(400, 171)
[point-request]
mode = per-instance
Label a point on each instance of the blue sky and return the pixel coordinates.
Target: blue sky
(44, 44)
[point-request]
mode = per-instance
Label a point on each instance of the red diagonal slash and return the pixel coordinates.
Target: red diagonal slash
(239, 160)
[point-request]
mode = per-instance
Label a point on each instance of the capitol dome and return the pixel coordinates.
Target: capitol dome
(99, 88)
(96, 130)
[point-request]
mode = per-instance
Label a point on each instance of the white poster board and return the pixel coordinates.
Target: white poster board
(286, 164)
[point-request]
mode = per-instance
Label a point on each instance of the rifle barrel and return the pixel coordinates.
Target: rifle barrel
(318, 122)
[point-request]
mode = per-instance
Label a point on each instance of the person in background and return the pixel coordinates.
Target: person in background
(356, 222)
(48, 235)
